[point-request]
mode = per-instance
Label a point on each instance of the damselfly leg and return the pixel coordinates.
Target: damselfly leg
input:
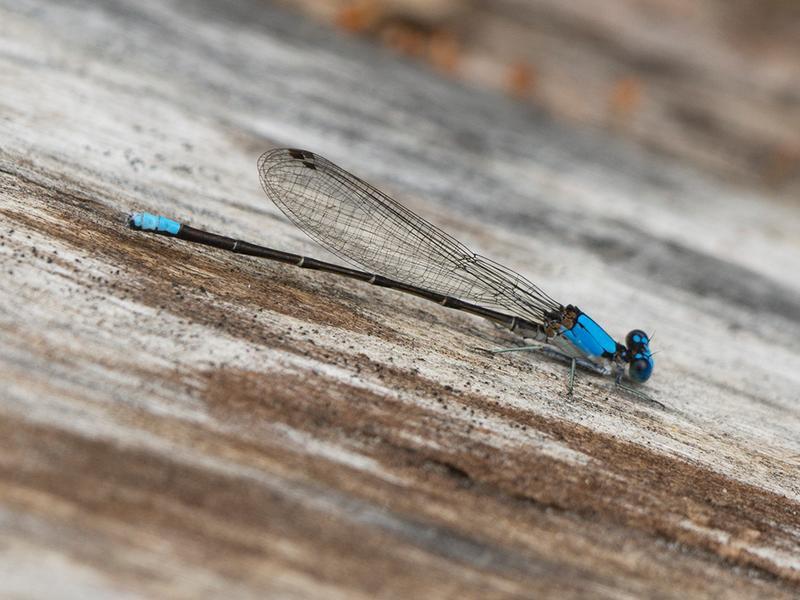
(556, 354)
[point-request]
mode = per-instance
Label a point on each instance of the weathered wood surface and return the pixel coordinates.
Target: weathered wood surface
(181, 422)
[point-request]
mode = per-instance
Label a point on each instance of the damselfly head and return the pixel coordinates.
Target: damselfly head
(641, 363)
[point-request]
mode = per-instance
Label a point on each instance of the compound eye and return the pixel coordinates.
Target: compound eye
(640, 369)
(636, 339)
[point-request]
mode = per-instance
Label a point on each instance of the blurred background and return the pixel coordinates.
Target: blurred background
(714, 83)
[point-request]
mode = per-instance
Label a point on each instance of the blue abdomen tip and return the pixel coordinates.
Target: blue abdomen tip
(150, 222)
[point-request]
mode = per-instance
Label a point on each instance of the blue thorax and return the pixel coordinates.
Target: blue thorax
(594, 342)
(590, 338)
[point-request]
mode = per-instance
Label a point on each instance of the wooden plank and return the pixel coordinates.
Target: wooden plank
(178, 421)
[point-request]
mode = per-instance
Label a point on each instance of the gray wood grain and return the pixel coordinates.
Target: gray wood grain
(180, 422)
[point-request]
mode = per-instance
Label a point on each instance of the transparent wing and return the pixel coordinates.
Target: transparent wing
(365, 227)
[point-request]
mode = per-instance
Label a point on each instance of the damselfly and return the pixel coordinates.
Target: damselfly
(402, 251)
